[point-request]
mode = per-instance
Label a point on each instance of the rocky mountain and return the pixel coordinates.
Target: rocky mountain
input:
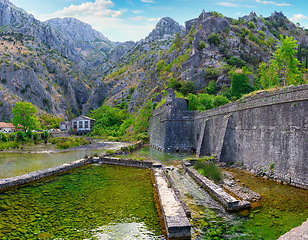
(211, 47)
(38, 66)
(166, 27)
(56, 64)
(64, 67)
(130, 66)
(91, 44)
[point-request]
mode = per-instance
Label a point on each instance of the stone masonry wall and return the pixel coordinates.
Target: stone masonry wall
(266, 133)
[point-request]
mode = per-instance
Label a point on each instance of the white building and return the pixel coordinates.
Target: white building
(81, 124)
(6, 127)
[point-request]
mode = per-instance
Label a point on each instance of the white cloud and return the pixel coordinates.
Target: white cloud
(228, 4)
(154, 19)
(297, 17)
(238, 13)
(139, 18)
(275, 4)
(137, 11)
(98, 8)
(148, 1)
(130, 2)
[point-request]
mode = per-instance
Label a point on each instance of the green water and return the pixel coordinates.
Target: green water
(92, 202)
(15, 164)
(152, 154)
(280, 209)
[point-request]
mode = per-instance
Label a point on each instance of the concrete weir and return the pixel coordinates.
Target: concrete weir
(227, 200)
(176, 223)
(7, 183)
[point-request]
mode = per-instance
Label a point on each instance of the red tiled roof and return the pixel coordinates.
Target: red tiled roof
(6, 125)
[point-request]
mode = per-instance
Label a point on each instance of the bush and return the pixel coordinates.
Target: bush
(240, 85)
(210, 171)
(21, 136)
(211, 88)
(220, 100)
(188, 87)
(214, 39)
(131, 90)
(235, 61)
(3, 137)
(174, 84)
(251, 25)
(205, 102)
(44, 135)
(29, 134)
(35, 136)
(201, 45)
(12, 137)
(193, 102)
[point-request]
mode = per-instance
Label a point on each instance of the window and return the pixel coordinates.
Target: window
(75, 124)
(80, 124)
(86, 124)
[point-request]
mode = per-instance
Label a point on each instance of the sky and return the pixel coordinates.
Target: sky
(126, 20)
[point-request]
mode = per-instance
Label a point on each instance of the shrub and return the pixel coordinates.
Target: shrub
(193, 102)
(174, 84)
(12, 136)
(240, 85)
(220, 100)
(211, 88)
(35, 136)
(188, 87)
(131, 90)
(44, 135)
(21, 136)
(251, 25)
(235, 61)
(214, 39)
(201, 45)
(210, 171)
(3, 137)
(29, 134)
(205, 102)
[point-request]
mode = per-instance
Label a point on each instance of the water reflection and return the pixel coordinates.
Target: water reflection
(164, 157)
(15, 164)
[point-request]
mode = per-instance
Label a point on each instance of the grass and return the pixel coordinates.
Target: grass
(68, 142)
(208, 170)
(7, 145)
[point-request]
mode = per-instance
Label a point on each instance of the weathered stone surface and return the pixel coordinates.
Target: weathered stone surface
(266, 133)
(176, 222)
(227, 200)
(298, 233)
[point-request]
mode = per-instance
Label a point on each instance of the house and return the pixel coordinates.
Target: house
(80, 125)
(6, 127)
(65, 125)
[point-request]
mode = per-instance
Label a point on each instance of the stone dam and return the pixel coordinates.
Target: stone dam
(266, 133)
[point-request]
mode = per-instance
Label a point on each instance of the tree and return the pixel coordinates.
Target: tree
(24, 114)
(177, 41)
(284, 65)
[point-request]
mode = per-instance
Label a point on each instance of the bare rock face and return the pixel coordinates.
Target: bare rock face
(215, 24)
(74, 30)
(166, 27)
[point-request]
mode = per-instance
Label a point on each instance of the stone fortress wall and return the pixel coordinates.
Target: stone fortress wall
(266, 133)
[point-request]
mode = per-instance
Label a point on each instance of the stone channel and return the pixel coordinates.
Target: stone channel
(223, 197)
(176, 222)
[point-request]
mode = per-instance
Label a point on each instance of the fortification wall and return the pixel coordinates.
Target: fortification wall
(266, 133)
